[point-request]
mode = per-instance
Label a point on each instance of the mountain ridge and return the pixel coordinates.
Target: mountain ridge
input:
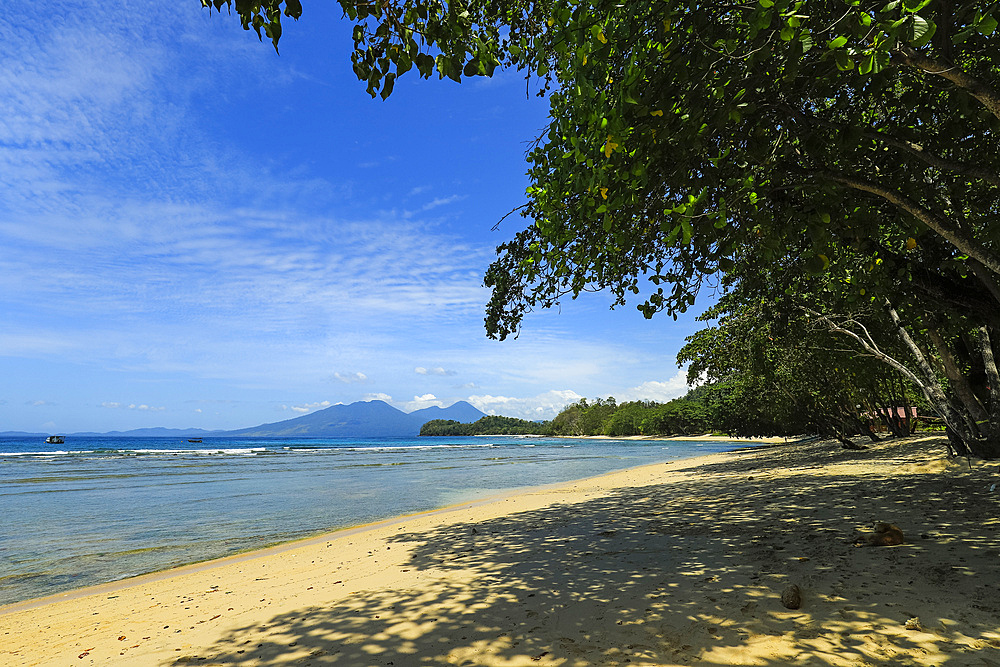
(375, 419)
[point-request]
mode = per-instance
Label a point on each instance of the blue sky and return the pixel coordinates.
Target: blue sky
(199, 233)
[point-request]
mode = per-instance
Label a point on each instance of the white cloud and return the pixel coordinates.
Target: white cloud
(659, 391)
(307, 407)
(377, 397)
(145, 407)
(351, 378)
(114, 405)
(420, 370)
(420, 402)
(542, 406)
(36, 404)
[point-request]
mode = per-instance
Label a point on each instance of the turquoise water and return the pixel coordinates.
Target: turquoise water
(98, 509)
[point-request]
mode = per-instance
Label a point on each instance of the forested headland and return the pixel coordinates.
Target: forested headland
(719, 408)
(829, 169)
(685, 416)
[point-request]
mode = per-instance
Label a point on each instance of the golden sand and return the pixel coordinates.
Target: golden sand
(668, 564)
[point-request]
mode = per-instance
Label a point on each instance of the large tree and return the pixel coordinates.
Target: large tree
(681, 129)
(843, 137)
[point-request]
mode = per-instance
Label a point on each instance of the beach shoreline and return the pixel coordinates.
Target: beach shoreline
(321, 535)
(238, 497)
(759, 440)
(670, 563)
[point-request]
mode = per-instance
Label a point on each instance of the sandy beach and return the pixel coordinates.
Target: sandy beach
(682, 563)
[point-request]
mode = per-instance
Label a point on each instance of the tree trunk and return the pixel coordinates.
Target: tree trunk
(991, 446)
(957, 378)
(962, 428)
(986, 278)
(886, 413)
(907, 420)
(960, 423)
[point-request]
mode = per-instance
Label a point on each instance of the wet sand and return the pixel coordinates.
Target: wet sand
(670, 564)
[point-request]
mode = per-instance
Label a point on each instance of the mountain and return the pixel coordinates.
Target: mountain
(376, 419)
(364, 419)
(461, 411)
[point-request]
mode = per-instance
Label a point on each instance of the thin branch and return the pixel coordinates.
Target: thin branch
(496, 227)
(976, 87)
(975, 171)
(947, 230)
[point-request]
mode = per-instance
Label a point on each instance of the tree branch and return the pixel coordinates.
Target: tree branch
(951, 233)
(976, 87)
(916, 150)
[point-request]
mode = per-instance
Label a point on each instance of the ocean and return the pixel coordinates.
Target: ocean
(99, 509)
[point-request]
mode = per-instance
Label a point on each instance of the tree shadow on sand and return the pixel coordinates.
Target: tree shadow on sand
(689, 572)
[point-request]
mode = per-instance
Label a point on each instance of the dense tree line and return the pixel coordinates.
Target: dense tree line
(831, 166)
(734, 403)
(598, 417)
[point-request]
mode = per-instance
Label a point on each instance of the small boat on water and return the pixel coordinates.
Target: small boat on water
(194, 440)
(55, 440)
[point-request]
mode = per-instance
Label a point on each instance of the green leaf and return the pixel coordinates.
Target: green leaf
(844, 62)
(686, 226)
(837, 42)
(923, 30)
(987, 25)
(817, 264)
(672, 236)
(387, 84)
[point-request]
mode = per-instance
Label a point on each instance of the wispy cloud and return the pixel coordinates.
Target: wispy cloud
(350, 378)
(420, 370)
(150, 235)
(142, 407)
(114, 208)
(441, 201)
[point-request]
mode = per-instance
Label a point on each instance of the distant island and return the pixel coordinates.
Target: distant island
(489, 425)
